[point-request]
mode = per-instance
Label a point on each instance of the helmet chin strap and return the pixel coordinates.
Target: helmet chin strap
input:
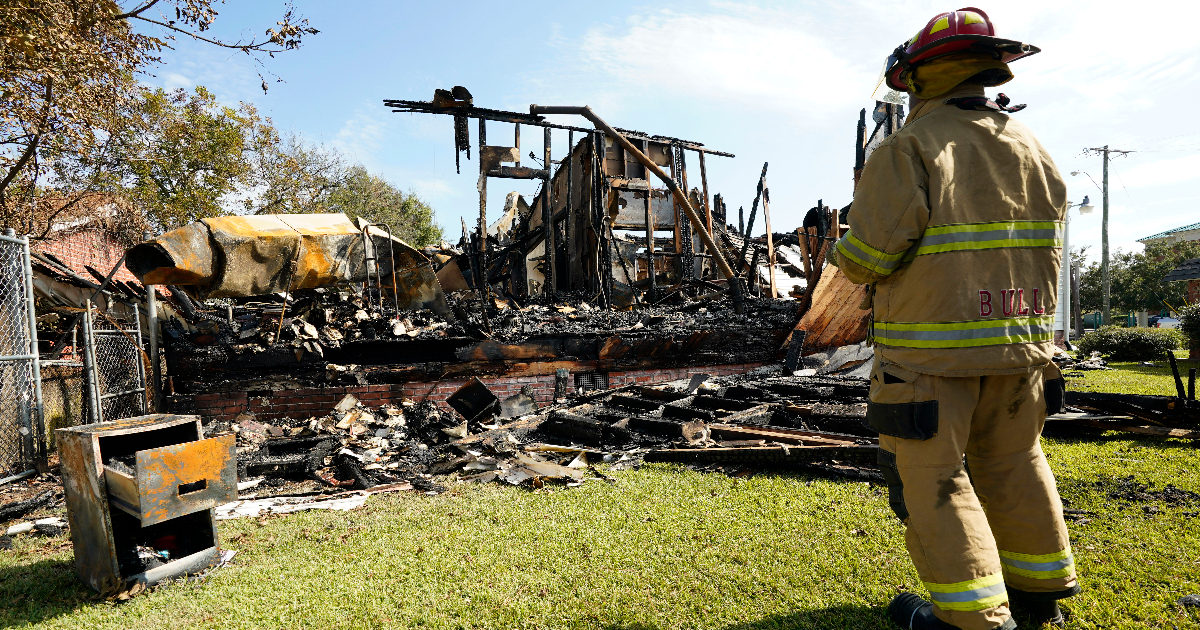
(983, 103)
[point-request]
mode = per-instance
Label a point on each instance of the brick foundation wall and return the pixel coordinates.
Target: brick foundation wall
(317, 401)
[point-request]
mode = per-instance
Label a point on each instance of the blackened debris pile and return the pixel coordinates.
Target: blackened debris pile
(810, 423)
(349, 336)
(354, 447)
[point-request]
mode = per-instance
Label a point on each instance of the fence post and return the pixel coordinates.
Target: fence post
(137, 355)
(89, 360)
(152, 324)
(37, 417)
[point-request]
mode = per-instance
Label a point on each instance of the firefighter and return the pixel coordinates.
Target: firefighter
(956, 226)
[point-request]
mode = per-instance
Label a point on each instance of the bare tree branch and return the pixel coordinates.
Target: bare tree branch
(135, 12)
(252, 46)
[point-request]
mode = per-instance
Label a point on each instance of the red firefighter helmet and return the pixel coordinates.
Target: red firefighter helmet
(964, 30)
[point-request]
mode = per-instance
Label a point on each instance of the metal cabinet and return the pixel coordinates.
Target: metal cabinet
(140, 497)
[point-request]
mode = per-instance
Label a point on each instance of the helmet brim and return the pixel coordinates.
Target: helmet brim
(1009, 50)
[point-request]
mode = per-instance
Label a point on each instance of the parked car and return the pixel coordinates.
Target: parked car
(1166, 322)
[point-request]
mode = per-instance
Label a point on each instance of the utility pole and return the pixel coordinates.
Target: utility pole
(1106, 279)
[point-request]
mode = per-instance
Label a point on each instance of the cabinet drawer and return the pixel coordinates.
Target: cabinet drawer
(174, 480)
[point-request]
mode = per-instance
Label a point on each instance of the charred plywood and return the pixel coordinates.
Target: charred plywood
(836, 317)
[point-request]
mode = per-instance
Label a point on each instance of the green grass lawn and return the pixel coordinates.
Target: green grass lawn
(1131, 377)
(660, 547)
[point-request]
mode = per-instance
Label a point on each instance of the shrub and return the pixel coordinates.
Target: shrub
(1189, 321)
(1130, 344)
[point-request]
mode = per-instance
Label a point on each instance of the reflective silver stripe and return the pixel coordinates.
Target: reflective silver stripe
(859, 254)
(868, 257)
(938, 239)
(999, 330)
(977, 594)
(990, 235)
(1040, 566)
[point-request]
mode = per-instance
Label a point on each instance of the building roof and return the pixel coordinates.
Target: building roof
(1194, 226)
(1187, 270)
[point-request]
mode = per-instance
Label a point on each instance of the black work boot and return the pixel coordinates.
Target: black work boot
(911, 612)
(1035, 609)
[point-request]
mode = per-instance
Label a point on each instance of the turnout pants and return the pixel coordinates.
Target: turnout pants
(976, 523)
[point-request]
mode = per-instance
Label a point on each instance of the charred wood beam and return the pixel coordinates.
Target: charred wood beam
(551, 249)
(679, 193)
(18, 509)
(521, 118)
(485, 284)
(568, 223)
(652, 271)
(762, 179)
(519, 172)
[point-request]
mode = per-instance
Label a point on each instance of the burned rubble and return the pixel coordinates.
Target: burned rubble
(763, 421)
(335, 336)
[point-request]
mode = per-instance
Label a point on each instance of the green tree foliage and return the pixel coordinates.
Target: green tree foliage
(378, 201)
(1130, 344)
(299, 178)
(182, 156)
(1189, 323)
(1137, 279)
(295, 177)
(68, 72)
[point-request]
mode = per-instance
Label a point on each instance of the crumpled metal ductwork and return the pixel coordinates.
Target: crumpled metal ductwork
(242, 256)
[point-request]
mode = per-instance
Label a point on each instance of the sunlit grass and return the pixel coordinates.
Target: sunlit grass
(1131, 377)
(662, 547)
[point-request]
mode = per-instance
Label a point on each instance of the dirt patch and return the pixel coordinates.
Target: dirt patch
(1127, 492)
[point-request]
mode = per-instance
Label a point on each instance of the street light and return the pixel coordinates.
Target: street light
(1063, 312)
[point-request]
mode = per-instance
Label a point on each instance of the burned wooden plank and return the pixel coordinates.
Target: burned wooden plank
(635, 403)
(718, 403)
(656, 426)
(18, 509)
(765, 455)
(651, 393)
(755, 414)
(791, 436)
(1122, 423)
(583, 429)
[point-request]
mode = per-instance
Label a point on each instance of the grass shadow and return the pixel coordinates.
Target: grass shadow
(36, 592)
(1064, 430)
(842, 617)
(831, 618)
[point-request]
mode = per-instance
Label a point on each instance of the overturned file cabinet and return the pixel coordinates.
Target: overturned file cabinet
(140, 497)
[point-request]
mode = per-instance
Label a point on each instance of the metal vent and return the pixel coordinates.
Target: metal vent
(591, 381)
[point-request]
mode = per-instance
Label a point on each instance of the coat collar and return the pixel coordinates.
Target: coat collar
(924, 107)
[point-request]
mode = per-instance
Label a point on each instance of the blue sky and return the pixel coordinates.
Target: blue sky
(780, 82)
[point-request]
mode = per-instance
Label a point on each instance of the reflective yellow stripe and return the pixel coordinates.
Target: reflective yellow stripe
(986, 332)
(970, 595)
(970, 17)
(868, 257)
(1059, 564)
(994, 235)
(940, 25)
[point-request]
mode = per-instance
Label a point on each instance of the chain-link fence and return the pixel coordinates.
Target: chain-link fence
(115, 366)
(21, 439)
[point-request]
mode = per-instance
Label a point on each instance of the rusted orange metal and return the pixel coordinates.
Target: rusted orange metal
(165, 502)
(241, 256)
(174, 480)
